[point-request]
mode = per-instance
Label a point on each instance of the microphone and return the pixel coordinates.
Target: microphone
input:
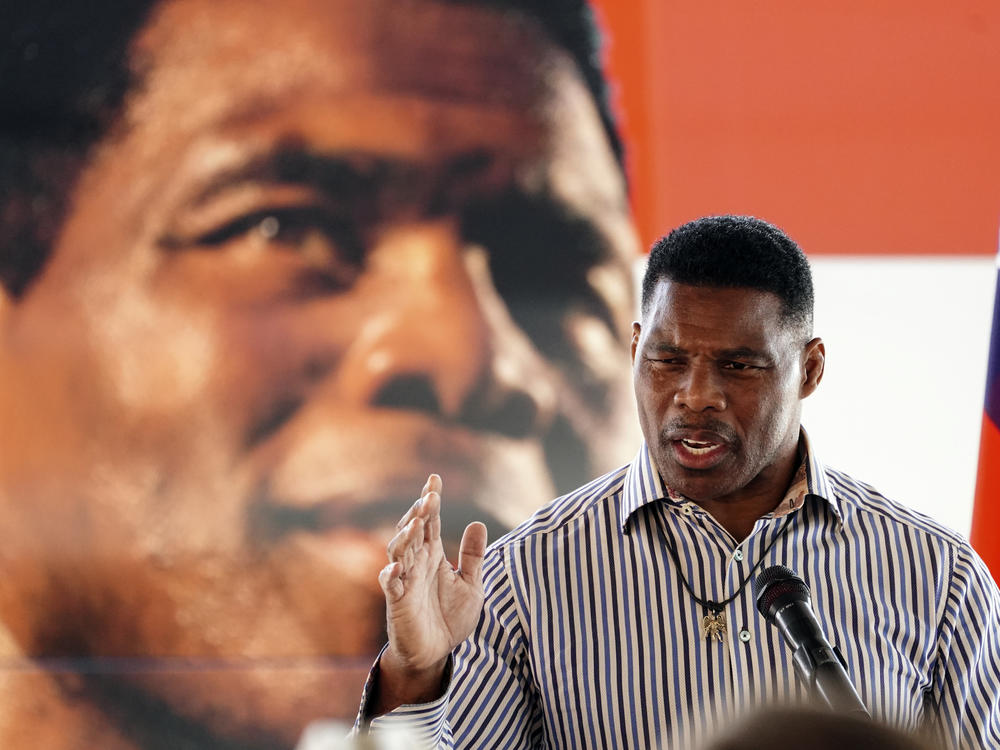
(783, 599)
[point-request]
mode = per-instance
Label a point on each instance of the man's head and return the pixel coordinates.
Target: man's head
(815, 728)
(723, 356)
(317, 250)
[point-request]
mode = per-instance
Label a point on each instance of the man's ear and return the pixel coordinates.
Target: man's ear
(814, 362)
(636, 330)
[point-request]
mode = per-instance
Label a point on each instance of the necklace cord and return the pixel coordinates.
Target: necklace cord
(709, 604)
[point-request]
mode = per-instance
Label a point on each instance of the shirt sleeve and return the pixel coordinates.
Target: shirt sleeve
(490, 699)
(968, 670)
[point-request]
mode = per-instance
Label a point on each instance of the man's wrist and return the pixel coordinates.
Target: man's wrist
(398, 684)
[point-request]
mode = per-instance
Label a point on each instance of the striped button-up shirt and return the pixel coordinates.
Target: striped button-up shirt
(588, 639)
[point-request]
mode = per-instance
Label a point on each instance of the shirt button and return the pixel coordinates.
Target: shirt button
(738, 555)
(687, 510)
(744, 635)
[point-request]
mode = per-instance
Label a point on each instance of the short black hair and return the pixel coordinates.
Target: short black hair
(64, 76)
(64, 79)
(734, 252)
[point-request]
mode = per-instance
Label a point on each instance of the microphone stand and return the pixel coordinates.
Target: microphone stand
(783, 599)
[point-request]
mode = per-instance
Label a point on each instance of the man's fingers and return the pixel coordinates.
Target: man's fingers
(433, 484)
(411, 512)
(430, 511)
(404, 545)
(427, 508)
(471, 551)
(394, 550)
(391, 583)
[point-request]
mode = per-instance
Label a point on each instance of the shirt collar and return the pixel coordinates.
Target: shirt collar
(643, 485)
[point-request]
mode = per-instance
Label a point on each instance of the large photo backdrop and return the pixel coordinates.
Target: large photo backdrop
(266, 266)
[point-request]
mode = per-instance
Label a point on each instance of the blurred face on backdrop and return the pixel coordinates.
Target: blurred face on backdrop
(330, 248)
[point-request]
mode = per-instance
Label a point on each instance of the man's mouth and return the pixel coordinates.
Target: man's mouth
(699, 448)
(699, 452)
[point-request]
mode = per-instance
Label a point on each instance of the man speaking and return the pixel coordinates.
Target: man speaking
(620, 615)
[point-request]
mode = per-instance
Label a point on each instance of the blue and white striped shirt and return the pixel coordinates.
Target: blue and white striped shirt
(588, 640)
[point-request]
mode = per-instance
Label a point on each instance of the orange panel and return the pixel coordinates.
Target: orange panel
(860, 127)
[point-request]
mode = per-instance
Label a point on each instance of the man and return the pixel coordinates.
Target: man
(621, 616)
(263, 263)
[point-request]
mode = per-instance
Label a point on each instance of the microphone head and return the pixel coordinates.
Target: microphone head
(776, 587)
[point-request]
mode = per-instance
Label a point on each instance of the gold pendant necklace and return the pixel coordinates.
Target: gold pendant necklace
(713, 624)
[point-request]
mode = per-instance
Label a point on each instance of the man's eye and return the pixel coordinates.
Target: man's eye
(738, 366)
(328, 248)
(290, 228)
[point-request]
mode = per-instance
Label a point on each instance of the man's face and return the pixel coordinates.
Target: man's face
(719, 377)
(335, 246)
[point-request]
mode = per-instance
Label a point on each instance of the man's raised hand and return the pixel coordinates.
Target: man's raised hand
(431, 606)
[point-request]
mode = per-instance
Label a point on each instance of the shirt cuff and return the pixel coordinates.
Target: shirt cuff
(421, 723)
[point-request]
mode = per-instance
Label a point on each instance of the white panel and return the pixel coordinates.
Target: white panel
(901, 403)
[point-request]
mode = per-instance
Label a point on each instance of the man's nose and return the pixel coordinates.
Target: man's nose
(444, 342)
(700, 388)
